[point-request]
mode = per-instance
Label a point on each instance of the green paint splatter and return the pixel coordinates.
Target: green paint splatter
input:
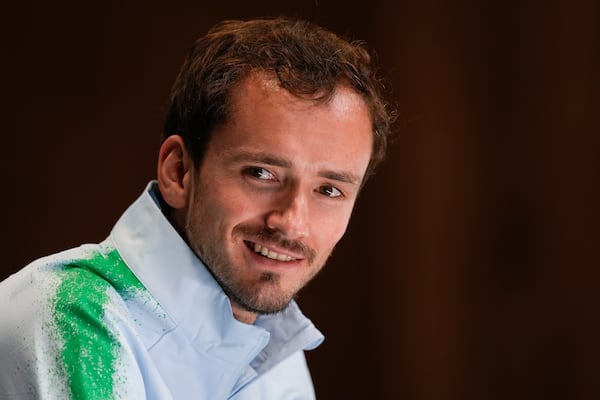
(90, 351)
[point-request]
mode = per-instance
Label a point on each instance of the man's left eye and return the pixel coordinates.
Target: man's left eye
(330, 191)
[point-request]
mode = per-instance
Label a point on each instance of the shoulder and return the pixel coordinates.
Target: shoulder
(59, 294)
(62, 324)
(82, 277)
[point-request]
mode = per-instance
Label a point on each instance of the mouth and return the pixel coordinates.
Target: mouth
(269, 253)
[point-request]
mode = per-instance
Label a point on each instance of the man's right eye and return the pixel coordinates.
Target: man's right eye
(260, 173)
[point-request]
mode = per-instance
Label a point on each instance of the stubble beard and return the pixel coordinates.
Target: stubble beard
(263, 295)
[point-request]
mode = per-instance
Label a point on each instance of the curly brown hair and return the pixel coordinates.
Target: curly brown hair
(308, 61)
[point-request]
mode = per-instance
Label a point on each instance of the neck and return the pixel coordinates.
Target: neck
(243, 315)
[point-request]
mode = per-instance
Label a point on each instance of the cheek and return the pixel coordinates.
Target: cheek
(329, 234)
(228, 209)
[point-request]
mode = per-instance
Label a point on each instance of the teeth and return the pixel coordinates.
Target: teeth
(283, 257)
(271, 254)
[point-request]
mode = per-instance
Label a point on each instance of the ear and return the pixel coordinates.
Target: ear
(175, 171)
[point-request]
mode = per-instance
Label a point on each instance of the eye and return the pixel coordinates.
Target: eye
(260, 173)
(330, 191)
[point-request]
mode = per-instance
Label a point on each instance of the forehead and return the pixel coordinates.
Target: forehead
(262, 87)
(264, 117)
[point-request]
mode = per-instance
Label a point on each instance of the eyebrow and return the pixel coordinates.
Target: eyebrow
(261, 157)
(271, 159)
(345, 177)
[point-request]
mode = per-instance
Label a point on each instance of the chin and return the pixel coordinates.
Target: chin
(263, 297)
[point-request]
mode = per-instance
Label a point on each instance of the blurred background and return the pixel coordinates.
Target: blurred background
(470, 268)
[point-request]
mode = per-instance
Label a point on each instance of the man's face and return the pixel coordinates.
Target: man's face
(275, 190)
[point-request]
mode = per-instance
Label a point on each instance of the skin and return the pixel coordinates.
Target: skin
(282, 173)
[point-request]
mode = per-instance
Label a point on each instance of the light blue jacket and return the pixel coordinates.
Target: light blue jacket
(138, 316)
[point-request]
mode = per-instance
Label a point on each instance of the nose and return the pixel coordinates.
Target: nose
(290, 215)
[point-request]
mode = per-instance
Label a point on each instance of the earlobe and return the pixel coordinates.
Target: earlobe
(174, 172)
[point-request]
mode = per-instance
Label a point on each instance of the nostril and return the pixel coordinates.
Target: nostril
(290, 222)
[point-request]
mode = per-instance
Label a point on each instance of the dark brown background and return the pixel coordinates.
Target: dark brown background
(470, 270)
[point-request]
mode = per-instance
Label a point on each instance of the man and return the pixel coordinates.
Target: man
(274, 126)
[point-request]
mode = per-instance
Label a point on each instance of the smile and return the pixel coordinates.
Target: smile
(265, 251)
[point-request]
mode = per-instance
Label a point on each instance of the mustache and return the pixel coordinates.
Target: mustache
(275, 238)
